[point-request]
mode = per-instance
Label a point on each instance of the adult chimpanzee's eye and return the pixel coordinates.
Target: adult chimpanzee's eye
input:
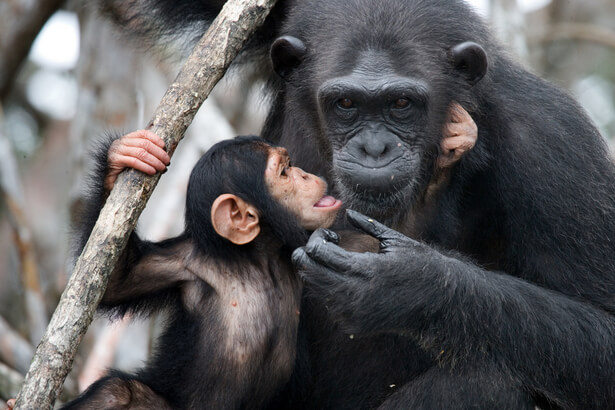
(345, 109)
(345, 103)
(283, 173)
(401, 103)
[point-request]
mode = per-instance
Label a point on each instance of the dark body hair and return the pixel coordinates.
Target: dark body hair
(528, 217)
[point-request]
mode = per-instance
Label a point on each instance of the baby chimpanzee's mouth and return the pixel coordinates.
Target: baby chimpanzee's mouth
(327, 201)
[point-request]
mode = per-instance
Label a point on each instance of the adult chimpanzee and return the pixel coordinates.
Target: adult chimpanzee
(507, 291)
(227, 282)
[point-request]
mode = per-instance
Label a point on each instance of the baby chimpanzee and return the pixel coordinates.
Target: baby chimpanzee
(227, 284)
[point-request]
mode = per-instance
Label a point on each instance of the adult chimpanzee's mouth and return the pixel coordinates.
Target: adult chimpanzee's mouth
(376, 183)
(378, 201)
(377, 180)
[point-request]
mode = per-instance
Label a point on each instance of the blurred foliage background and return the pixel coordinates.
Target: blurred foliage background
(67, 77)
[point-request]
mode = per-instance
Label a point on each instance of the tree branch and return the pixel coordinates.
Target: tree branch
(20, 22)
(213, 54)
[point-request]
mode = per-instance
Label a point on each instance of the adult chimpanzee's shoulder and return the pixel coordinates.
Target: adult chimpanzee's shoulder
(549, 179)
(530, 118)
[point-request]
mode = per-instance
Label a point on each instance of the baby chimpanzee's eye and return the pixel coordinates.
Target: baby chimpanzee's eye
(285, 169)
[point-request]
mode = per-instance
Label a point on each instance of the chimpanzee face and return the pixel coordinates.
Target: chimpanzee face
(302, 193)
(375, 121)
(376, 116)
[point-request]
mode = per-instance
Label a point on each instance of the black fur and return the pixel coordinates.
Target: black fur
(534, 201)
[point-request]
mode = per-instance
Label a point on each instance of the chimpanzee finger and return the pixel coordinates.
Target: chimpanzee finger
(325, 252)
(321, 279)
(464, 129)
(118, 163)
(387, 236)
(459, 144)
(329, 235)
(305, 265)
(135, 157)
(146, 134)
(147, 145)
(456, 113)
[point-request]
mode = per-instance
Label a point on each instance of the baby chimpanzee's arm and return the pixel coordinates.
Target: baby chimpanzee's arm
(146, 271)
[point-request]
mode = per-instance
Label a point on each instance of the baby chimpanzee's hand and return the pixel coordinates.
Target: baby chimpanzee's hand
(142, 150)
(459, 135)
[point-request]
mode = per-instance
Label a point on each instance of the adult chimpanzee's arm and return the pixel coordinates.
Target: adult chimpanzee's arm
(556, 346)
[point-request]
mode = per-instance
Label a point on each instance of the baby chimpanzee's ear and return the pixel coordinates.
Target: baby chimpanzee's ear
(235, 219)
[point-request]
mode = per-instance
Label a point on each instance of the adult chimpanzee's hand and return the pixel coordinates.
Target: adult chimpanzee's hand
(367, 292)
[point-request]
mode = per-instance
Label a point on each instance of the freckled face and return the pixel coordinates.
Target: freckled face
(303, 194)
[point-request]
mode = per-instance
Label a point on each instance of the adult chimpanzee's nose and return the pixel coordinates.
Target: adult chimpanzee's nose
(374, 147)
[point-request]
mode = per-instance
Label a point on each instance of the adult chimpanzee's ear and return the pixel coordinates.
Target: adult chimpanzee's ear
(235, 219)
(470, 59)
(287, 53)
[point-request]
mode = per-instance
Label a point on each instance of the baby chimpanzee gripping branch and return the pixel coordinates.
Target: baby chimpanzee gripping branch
(227, 284)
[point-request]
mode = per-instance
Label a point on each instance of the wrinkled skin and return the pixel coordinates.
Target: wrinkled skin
(373, 119)
(142, 150)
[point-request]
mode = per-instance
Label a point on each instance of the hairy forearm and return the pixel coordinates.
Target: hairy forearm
(126, 281)
(466, 314)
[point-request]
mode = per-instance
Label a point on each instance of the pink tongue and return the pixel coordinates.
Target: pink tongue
(325, 201)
